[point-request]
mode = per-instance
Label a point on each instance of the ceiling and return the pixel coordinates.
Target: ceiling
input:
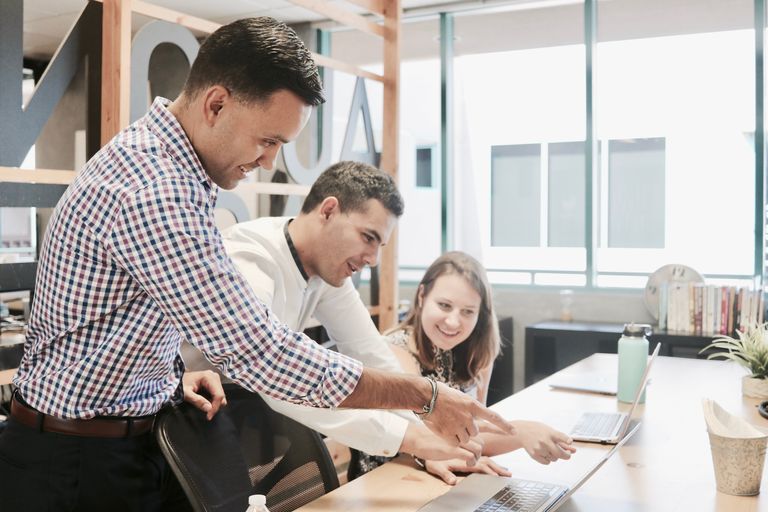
(46, 22)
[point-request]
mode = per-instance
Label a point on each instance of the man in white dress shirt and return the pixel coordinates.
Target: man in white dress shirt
(301, 269)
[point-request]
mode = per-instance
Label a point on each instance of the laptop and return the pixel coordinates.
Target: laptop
(609, 427)
(604, 384)
(485, 493)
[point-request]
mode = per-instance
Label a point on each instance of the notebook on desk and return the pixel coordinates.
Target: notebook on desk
(486, 493)
(609, 427)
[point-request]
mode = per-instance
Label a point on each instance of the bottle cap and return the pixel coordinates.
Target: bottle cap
(258, 500)
(637, 330)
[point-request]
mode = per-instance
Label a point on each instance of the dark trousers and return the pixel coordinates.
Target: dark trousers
(44, 471)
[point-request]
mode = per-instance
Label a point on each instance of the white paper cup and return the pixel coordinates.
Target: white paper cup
(738, 464)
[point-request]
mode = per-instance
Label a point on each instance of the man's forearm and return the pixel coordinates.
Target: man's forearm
(450, 413)
(377, 389)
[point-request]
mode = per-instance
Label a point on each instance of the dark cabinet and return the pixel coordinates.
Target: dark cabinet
(551, 346)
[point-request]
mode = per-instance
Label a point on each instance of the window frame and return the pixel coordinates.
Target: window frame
(592, 167)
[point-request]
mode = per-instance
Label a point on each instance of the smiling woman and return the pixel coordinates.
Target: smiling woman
(452, 320)
(451, 336)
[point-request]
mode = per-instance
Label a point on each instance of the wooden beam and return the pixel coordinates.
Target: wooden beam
(374, 6)
(59, 177)
(343, 16)
(199, 24)
(322, 60)
(161, 13)
(47, 176)
(115, 67)
(388, 284)
(275, 189)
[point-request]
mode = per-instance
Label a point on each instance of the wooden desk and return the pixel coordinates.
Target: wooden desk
(6, 376)
(666, 467)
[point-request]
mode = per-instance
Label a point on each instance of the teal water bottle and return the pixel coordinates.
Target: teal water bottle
(633, 356)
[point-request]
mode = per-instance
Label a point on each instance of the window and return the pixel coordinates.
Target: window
(526, 177)
(566, 185)
(673, 141)
(515, 195)
(519, 122)
(679, 147)
(425, 167)
(419, 140)
(636, 199)
(672, 114)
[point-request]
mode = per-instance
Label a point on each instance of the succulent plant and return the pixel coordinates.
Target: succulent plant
(749, 349)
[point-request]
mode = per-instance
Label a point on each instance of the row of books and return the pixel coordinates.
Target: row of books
(708, 310)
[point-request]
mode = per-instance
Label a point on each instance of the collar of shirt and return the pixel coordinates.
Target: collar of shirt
(169, 130)
(294, 252)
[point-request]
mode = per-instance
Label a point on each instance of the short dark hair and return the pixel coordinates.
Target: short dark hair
(253, 58)
(354, 183)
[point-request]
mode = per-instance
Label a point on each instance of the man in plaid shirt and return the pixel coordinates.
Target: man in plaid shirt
(132, 264)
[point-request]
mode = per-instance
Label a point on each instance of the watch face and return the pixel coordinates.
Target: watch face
(668, 274)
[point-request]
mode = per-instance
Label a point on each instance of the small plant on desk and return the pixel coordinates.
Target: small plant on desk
(749, 349)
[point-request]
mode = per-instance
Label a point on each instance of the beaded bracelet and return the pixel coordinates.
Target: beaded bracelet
(428, 408)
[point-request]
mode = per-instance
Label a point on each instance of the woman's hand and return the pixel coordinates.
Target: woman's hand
(543, 443)
(445, 469)
(421, 442)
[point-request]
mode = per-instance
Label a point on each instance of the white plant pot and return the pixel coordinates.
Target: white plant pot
(754, 388)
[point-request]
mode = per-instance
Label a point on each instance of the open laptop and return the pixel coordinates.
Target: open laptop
(609, 427)
(484, 493)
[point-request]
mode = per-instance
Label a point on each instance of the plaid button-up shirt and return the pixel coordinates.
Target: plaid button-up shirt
(131, 264)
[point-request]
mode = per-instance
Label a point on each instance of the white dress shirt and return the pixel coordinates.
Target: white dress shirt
(261, 253)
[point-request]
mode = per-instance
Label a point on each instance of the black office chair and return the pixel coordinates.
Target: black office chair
(245, 449)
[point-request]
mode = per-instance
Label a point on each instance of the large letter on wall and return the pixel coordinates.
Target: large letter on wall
(359, 110)
(144, 42)
(21, 126)
(296, 170)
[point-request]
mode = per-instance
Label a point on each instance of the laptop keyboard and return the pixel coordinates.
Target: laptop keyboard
(597, 424)
(518, 496)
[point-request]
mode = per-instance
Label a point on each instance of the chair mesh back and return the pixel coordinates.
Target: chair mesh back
(246, 449)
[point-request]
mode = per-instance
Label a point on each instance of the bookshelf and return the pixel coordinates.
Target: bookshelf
(552, 345)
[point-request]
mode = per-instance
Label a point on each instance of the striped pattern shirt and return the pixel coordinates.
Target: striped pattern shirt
(131, 264)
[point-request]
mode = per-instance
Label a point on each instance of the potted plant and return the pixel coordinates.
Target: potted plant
(750, 350)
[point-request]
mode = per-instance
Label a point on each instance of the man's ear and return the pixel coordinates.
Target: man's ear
(329, 207)
(215, 98)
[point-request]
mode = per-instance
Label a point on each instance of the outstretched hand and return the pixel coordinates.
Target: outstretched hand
(195, 382)
(453, 417)
(543, 443)
(421, 442)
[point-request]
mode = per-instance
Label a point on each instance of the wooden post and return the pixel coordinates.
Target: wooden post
(115, 67)
(388, 281)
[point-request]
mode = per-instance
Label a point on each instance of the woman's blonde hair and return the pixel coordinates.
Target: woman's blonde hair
(483, 345)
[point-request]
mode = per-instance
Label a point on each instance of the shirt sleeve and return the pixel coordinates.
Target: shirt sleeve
(349, 325)
(164, 237)
(376, 432)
